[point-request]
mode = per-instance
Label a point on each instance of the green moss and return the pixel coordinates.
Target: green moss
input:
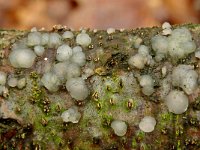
(38, 93)
(165, 120)
(178, 126)
(48, 129)
(106, 120)
(134, 143)
(144, 146)
(140, 135)
(178, 145)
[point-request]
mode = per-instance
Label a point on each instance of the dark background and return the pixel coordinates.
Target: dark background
(100, 14)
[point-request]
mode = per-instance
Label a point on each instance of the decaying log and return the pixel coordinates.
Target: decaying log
(30, 117)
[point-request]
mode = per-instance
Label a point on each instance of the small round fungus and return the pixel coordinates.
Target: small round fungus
(177, 102)
(180, 43)
(21, 44)
(12, 82)
(3, 77)
(147, 83)
(166, 25)
(68, 35)
(147, 90)
(60, 70)
(119, 127)
(45, 39)
(137, 61)
(22, 58)
(83, 39)
(21, 83)
(79, 58)
(143, 50)
(34, 29)
(110, 30)
(146, 80)
(39, 50)
(64, 52)
(77, 49)
(160, 44)
(50, 81)
(54, 40)
(186, 77)
(34, 38)
(73, 71)
(147, 124)
(167, 32)
(71, 115)
(136, 41)
(77, 88)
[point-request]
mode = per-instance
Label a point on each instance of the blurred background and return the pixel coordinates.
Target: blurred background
(100, 14)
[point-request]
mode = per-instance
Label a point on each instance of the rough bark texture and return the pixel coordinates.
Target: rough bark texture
(30, 117)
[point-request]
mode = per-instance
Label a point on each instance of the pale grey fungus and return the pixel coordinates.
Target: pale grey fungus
(50, 81)
(185, 77)
(119, 127)
(71, 115)
(22, 58)
(147, 124)
(39, 50)
(83, 39)
(21, 83)
(12, 82)
(64, 52)
(67, 35)
(54, 40)
(77, 88)
(79, 58)
(34, 38)
(177, 102)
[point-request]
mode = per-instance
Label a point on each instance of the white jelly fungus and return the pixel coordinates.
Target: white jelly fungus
(50, 81)
(64, 52)
(77, 88)
(67, 35)
(185, 77)
(22, 58)
(71, 115)
(177, 102)
(119, 127)
(83, 39)
(12, 82)
(147, 124)
(54, 40)
(34, 38)
(39, 50)
(79, 58)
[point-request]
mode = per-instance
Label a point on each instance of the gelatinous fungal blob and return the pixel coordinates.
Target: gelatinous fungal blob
(119, 127)
(147, 124)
